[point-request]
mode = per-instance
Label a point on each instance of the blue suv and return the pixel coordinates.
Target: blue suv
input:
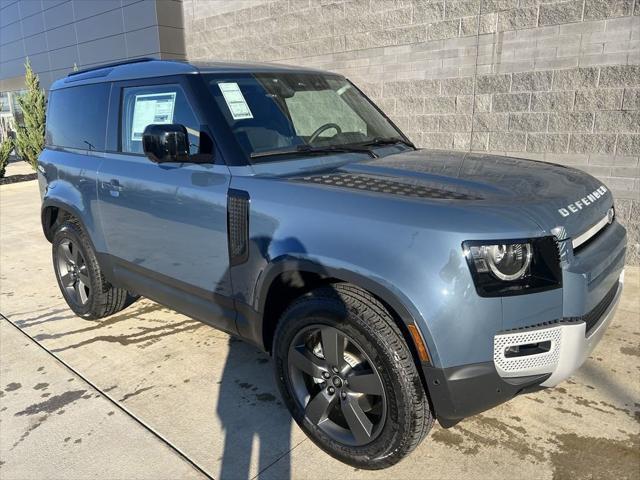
(393, 286)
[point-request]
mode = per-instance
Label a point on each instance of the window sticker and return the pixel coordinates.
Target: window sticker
(151, 108)
(235, 101)
(343, 89)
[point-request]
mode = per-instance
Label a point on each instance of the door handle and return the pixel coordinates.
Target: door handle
(113, 186)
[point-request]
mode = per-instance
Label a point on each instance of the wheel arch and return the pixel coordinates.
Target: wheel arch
(53, 213)
(310, 275)
(315, 275)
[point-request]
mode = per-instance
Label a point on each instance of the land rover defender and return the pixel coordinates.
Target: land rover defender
(393, 286)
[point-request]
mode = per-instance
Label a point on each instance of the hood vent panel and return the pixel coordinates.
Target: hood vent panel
(370, 183)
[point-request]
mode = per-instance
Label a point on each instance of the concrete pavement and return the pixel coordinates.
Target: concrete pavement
(214, 398)
(55, 425)
(18, 167)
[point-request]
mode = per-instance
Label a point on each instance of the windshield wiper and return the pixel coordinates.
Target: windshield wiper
(380, 141)
(309, 150)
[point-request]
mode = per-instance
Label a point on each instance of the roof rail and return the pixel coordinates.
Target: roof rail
(110, 65)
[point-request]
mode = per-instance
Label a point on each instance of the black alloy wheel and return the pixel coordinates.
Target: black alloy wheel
(80, 277)
(348, 378)
(72, 272)
(337, 385)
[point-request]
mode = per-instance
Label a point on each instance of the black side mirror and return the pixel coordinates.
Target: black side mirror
(166, 143)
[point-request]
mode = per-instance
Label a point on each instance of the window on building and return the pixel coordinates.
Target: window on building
(14, 96)
(5, 102)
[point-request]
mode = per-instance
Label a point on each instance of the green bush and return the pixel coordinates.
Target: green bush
(30, 135)
(5, 150)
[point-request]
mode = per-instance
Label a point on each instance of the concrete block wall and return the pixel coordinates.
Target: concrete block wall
(552, 80)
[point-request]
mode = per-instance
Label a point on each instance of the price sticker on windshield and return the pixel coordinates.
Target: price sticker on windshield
(235, 101)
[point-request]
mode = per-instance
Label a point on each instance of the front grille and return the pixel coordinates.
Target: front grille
(590, 240)
(591, 234)
(593, 317)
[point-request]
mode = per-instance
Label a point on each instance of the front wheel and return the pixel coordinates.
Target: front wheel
(348, 378)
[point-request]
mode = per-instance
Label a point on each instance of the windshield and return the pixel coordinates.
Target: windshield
(279, 113)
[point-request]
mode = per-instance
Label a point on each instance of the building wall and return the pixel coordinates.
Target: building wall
(557, 81)
(56, 34)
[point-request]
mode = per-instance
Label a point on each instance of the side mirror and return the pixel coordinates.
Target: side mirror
(166, 143)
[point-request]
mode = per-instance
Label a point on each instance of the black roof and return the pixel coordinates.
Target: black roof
(150, 67)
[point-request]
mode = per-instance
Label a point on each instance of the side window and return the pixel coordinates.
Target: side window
(310, 110)
(77, 117)
(158, 104)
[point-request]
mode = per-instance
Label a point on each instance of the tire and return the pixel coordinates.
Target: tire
(80, 279)
(397, 419)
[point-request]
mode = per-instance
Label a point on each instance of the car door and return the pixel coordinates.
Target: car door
(165, 225)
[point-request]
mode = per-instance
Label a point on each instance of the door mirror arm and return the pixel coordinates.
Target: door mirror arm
(205, 155)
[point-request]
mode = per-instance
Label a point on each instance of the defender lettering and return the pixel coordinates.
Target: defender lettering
(578, 204)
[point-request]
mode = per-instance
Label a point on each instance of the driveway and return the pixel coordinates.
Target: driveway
(187, 397)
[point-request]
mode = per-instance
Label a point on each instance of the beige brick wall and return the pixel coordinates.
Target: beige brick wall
(557, 81)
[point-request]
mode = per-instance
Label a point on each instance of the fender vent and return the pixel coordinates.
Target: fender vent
(372, 183)
(238, 226)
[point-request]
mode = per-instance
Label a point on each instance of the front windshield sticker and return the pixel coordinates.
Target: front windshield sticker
(343, 89)
(235, 101)
(149, 109)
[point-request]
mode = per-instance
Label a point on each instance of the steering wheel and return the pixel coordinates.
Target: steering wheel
(322, 128)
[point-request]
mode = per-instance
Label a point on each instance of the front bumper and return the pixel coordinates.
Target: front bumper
(570, 345)
(459, 392)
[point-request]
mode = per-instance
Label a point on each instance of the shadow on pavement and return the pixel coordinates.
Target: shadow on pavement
(251, 419)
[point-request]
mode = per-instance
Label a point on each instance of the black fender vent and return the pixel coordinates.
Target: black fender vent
(371, 183)
(238, 226)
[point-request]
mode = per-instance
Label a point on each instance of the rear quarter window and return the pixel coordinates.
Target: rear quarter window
(77, 117)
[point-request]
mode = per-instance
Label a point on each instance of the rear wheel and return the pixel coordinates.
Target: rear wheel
(348, 377)
(80, 279)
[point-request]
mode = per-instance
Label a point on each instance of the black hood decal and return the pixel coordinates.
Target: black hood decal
(380, 184)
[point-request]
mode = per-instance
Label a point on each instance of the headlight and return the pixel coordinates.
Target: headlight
(511, 267)
(506, 261)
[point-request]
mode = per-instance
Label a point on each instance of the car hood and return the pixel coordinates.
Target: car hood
(553, 196)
